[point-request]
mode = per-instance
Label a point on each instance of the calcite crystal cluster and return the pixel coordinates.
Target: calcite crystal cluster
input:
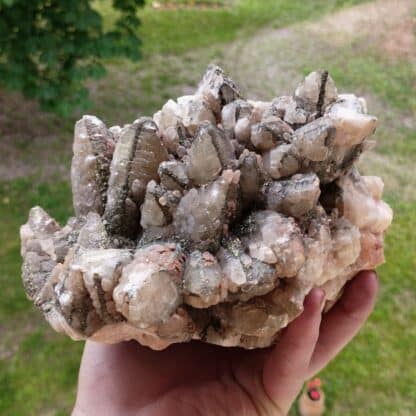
(210, 221)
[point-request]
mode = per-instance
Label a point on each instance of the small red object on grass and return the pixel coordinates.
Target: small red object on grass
(312, 401)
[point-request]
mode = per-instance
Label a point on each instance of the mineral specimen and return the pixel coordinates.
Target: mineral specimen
(210, 221)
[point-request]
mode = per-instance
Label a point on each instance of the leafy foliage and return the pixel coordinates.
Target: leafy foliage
(49, 47)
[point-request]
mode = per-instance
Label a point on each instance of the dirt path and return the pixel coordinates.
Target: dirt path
(273, 59)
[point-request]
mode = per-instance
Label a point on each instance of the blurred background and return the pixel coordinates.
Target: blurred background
(121, 59)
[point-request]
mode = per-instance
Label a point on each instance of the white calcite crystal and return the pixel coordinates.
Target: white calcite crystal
(210, 221)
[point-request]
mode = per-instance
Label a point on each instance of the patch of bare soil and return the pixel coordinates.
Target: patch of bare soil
(32, 142)
(13, 333)
(400, 43)
(389, 25)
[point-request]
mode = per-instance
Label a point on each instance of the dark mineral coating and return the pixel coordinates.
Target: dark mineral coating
(269, 133)
(93, 148)
(212, 220)
(252, 178)
(217, 89)
(137, 156)
(294, 197)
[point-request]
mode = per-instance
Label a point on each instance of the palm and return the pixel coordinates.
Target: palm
(182, 378)
(201, 379)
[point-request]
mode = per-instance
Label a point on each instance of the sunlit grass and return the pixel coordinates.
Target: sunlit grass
(16, 198)
(373, 375)
(176, 31)
(41, 375)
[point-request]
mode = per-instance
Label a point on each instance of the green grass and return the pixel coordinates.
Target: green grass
(176, 31)
(41, 375)
(375, 374)
(16, 198)
(194, 3)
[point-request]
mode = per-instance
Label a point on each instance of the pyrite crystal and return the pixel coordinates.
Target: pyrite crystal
(210, 221)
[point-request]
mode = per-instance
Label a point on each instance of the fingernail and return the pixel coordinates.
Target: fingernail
(317, 295)
(323, 300)
(321, 297)
(368, 272)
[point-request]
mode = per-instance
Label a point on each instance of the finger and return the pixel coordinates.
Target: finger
(286, 366)
(96, 378)
(345, 319)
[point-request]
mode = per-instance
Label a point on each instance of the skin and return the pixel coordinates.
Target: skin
(203, 380)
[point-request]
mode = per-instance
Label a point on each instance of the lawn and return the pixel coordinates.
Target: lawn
(376, 374)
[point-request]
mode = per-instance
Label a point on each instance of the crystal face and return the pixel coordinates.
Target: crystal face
(210, 221)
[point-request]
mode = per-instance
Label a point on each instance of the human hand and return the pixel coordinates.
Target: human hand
(201, 379)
